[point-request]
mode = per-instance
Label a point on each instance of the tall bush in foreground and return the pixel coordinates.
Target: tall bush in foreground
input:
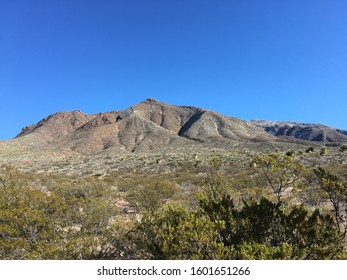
(219, 230)
(39, 224)
(281, 172)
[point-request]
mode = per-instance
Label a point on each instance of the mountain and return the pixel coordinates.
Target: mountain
(303, 131)
(147, 126)
(152, 126)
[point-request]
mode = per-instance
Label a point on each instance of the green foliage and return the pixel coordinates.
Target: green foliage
(323, 151)
(256, 251)
(290, 153)
(310, 236)
(267, 226)
(337, 193)
(217, 230)
(152, 195)
(68, 223)
(343, 148)
(174, 232)
(281, 172)
(219, 209)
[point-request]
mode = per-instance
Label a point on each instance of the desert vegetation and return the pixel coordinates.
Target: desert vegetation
(275, 204)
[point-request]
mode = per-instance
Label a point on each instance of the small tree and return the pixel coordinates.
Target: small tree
(282, 172)
(343, 148)
(337, 194)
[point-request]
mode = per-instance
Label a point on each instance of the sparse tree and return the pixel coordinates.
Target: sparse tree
(337, 193)
(281, 172)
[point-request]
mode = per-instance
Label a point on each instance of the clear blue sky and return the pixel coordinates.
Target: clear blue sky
(252, 59)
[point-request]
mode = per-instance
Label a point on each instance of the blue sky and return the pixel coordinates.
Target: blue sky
(252, 59)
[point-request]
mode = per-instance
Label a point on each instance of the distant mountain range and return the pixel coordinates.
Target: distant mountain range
(153, 125)
(304, 131)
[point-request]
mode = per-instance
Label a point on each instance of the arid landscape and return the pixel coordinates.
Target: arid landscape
(161, 181)
(153, 130)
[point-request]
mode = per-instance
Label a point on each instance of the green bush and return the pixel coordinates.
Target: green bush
(281, 172)
(343, 148)
(65, 223)
(150, 196)
(323, 151)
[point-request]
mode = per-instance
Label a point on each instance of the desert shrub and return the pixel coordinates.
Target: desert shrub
(310, 150)
(336, 191)
(343, 148)
(323, 151)
(218, 230)
(175, 232)
(257, 231)
(309, 236)
(281, 172)
(226, 211)
(44, 224)
(290, 153)
(152, 195)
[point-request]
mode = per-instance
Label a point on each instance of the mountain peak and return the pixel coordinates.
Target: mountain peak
(152, 100)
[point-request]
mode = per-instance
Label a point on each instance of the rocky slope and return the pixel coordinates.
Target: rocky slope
(303, 131)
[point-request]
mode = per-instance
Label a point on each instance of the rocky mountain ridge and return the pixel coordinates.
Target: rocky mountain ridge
(145, 126)
(152, 125)
(303, 131)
